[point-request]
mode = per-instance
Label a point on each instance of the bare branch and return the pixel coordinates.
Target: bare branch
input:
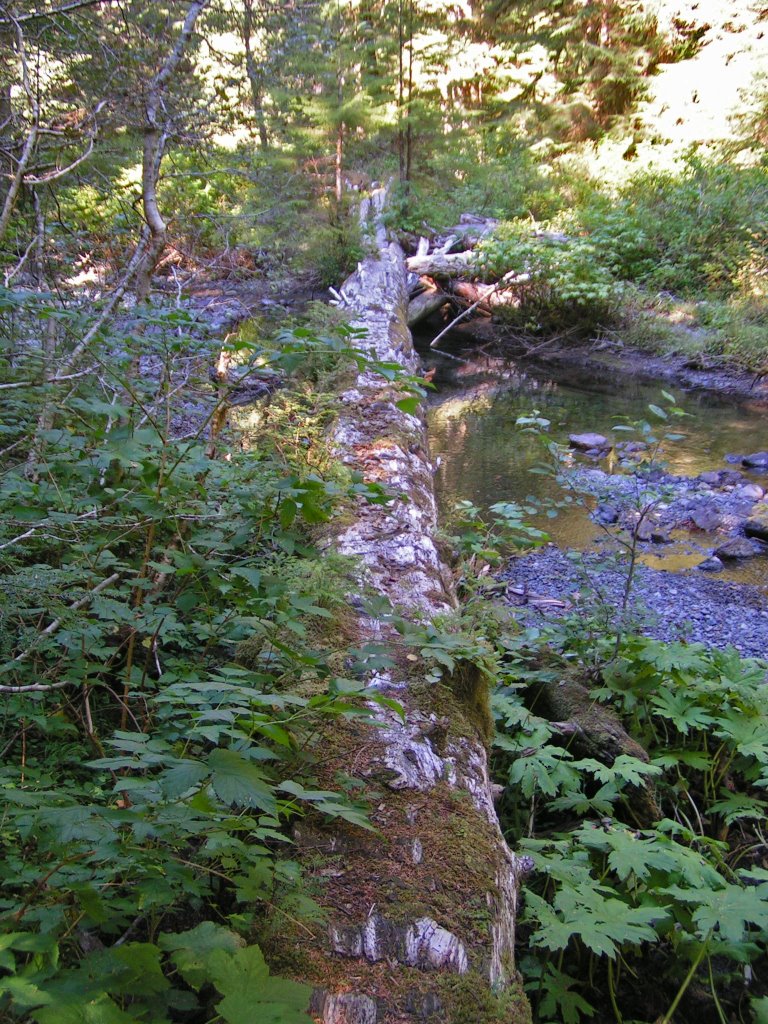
(55, 175)
(56, 624)
(36, 687)
(64, 9)
(49, 380)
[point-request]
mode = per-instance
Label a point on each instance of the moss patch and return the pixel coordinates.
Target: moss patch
(467, 999)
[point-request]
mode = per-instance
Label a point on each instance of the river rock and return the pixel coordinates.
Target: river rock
(606, 514)
(758, 460)
(659, 536)
(705, 519)
(750, 492)
(757, 524)
(583, 442)
(731, 478)
(645, 530)
(736, 548)
(711, 564)
(733, 457)
(711, 477)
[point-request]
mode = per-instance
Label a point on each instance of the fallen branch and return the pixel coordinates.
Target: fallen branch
(504, 283)
(50, 380)
(56, 624)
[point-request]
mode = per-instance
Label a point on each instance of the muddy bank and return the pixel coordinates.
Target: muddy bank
(689, 373)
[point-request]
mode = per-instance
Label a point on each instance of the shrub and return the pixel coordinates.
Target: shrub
(702, 227)
(554, 285)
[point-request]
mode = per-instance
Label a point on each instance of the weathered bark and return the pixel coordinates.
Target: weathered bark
(595, 731)
(420, 915)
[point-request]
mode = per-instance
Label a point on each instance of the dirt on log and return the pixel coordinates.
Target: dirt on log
(420, 914)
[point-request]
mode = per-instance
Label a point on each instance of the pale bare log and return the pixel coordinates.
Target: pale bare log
(428, 766)
(425, 304)
(442, 265)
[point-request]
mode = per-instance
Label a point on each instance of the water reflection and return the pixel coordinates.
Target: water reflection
(486, 458)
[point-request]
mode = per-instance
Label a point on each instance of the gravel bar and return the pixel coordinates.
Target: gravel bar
(672, 606)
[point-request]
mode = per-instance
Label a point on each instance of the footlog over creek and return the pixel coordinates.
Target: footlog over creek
(420, 913)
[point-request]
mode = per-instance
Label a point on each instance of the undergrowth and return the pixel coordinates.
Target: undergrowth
(687, 893)
(150, 773)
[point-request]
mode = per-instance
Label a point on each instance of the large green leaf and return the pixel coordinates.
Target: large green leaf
(237, 781)
(90, 1011)
(251, 995)
(190, 951)
(728, 911)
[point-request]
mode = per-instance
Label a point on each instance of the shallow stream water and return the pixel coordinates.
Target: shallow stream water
(485, 457)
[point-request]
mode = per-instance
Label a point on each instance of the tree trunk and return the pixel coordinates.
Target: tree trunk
(255, 78)
(420, 914)
(155, 136)
(30, 143)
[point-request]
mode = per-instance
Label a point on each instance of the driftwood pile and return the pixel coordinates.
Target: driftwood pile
(441, 278)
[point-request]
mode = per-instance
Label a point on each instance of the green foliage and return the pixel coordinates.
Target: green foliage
(505, 182)
(698, 229)
(555, 285)
(148, 778)
(480, 539)
(606, 890)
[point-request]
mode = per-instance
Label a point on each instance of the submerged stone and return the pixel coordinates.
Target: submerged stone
(757, 460)
(711, 564)
(583, 442)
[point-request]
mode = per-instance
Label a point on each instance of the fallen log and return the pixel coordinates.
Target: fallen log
(595, 731)
(425, 304)
(442, 265)
(420, 915)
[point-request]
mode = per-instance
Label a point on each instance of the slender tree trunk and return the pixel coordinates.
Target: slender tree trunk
(409, 119)
(31, 141)
(400, 90)
(340, 149)
(255, 78)
(155, 137)
(6, 128)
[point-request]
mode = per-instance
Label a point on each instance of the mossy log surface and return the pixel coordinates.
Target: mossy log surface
(420, 914)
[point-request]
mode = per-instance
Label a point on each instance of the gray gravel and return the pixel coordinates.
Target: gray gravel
(672, 606)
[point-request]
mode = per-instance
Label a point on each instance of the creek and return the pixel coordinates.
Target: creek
(484, 457)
